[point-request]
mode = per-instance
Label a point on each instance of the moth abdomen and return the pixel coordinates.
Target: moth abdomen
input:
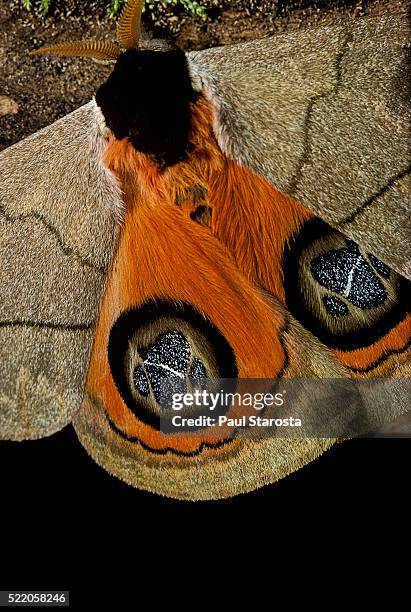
(147, 99)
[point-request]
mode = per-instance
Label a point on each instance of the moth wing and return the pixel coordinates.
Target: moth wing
(323, 114)
(59, 212)
(157, 323)
(264, 340)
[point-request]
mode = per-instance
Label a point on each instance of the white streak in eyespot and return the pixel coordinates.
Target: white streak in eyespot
(165, 367)
(347, 290)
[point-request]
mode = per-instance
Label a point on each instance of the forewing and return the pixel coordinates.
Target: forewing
(323, 114)
(59, 214)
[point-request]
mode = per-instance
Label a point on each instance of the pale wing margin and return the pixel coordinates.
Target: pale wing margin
(324, 115)
(246, 462)
(59, 218)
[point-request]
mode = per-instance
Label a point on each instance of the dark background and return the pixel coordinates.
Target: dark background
(67, 524)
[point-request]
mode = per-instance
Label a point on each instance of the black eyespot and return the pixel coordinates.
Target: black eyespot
(345, 296)
(163, 348)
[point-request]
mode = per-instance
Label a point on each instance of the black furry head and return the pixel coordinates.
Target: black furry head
(146, 98)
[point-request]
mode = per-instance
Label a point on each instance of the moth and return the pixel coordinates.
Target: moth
(234, 213)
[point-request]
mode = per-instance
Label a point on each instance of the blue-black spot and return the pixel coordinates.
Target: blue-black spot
(353, 247)
(378, 265)
(170, 351)
(198, 373)
(346, 272)
(305, 268)
(335, 306)
(166, 363)
(165, 385)
(141, 381)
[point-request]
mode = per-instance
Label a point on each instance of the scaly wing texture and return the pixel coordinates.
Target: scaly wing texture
(323, 114)
(176, 295)
(196, 290)
(59, 212)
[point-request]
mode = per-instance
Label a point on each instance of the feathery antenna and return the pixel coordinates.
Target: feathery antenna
(87, 48)
(128, 34)
(129, 24)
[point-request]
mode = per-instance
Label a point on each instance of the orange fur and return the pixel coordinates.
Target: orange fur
(252, 218)
(255, 221)
(162, 253)
(218, 269)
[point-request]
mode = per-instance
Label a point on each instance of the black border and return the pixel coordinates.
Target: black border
(131, 320)
(360, 338)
